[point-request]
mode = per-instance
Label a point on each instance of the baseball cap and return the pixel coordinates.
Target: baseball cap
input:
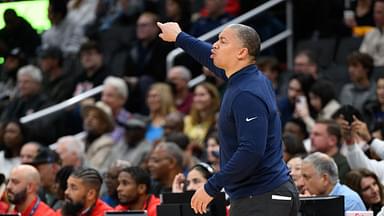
(44, 156)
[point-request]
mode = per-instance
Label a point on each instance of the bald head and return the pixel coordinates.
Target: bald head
(28, 173)
(23, 185)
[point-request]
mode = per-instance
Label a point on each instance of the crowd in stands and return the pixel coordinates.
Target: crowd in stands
(149, 132)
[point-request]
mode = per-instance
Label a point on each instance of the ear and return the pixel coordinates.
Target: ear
(91, 194)
(31, 187)
(243, 53)
(142, 189)
(333, 140)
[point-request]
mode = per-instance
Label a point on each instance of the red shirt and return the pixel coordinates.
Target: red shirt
(98, 210)
(37, 208)
(150, 206)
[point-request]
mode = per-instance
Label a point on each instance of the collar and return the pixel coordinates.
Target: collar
(88, 211)
(32, 207)
(249, 69)
(335, 189)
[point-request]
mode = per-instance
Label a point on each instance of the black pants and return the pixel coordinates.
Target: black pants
(282, 201)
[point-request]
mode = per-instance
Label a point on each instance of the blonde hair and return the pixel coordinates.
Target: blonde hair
(167, 104)
(196, 118)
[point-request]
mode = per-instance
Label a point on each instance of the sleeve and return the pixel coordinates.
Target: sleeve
(378, 147)
(357, 159)
(200, 51)
(251, 120)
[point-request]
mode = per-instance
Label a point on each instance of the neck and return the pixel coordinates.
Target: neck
(89, 204)
(329, 189)
(23, 206)
(363, 83)
(139, 205)
(333, 151)
(237, 67)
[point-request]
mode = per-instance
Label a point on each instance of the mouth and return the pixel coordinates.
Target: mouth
(212, 54)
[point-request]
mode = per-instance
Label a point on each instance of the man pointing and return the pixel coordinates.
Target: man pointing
(252, 169)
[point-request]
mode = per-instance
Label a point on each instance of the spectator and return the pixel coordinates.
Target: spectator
(216, 16)
(58, 85)
(29, 151)
(81, 12)
(202, 118)
(146, 60)
(179, 11)
(22, 188)
(160, 103)
(134, 191)
(115, 95)
(298, 86)
(82, 194)
(305, 63)
(133, 147)
(294, 166)
(197, 176)
(14, 60)
(292, 146)
(173, 123)
(321, 179)
(14, 137)
(368, 186)
(326, 138)
(71, 151)
(213, 150)
(93, 70)
(323, 103)
(297, 127)
(373, 41)
(30, 99)
(270, 67)
(373, 110)
(17, 32)
(359, 18)
(111, 182)
(61, 185)
(165, 161)
(360, 66)
(98, 122)
(64, 33)
(47, 162)
(179, 76)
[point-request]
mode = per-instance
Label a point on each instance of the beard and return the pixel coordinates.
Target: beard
(71, 208)
(19, 197)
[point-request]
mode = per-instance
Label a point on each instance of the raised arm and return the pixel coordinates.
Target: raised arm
(199, 50)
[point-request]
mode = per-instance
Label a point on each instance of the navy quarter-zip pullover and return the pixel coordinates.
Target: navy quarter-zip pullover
(249, 129)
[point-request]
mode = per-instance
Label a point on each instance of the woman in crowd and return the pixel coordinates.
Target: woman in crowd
(160, 103)
(197, 176)
(294, 165)
(14, 137)
(368, 186)
(202, 118)
(322, 100)
(213, 148)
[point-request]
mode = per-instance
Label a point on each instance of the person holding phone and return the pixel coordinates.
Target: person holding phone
(252, 168)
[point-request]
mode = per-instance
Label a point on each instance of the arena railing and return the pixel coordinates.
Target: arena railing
(286, 34)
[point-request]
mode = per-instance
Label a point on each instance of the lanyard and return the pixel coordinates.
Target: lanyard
(35, 207)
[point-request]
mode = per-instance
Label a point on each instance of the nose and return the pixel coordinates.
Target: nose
(215, 45)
